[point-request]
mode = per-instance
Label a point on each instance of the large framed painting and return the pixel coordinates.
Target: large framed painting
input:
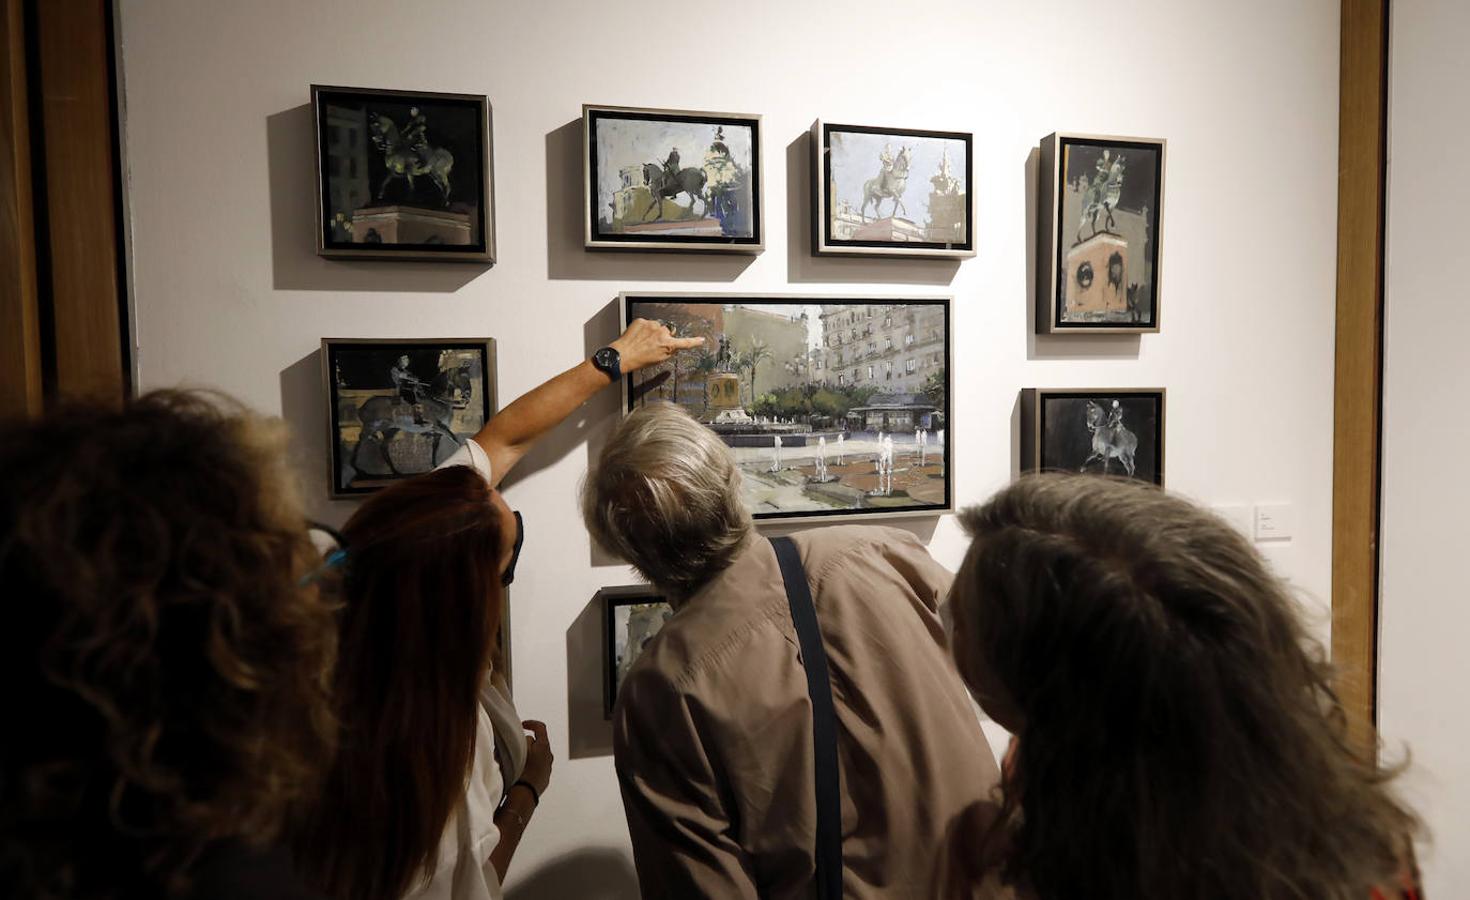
(668, 179)
(632, 615)
(833, 406)
(1114, 431)
(398, 408)
(891, 192)
(403, 175)
(1100, 216)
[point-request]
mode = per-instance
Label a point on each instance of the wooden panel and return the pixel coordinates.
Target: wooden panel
(81, 195)
(20, 337)
(1358, 388)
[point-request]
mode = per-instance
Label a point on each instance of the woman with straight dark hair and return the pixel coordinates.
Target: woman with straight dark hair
(1175, 730)
(436, 779)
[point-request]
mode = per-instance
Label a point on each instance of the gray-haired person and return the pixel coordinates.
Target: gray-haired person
(713, 729)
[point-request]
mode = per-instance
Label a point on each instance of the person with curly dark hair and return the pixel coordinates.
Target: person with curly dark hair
(1175, 729)
(164, 671)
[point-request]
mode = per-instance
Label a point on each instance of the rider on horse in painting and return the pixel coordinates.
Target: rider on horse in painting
(410, 388)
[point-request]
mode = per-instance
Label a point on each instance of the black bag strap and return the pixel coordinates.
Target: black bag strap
(824, 719)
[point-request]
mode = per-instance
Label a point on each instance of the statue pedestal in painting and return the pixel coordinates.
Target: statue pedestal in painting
(890, 229)
(724, 392)
(1096, 279)
(409, 225)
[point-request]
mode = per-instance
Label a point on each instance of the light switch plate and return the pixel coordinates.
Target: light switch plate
(1275, 521)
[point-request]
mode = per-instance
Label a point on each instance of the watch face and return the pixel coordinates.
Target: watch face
(606, 356)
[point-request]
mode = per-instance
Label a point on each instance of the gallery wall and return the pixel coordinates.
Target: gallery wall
(1423, 614)
(230, 294)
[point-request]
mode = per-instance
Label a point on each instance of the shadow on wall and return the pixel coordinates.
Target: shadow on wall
(566, 253)
(1060, 346)
(589, 732)
(304, 410)
(801, 265)
(294, 264)
(593, 874)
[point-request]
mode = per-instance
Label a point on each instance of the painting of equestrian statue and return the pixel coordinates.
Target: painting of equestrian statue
(1110, 432)
(399, 408)
(403, 176)
(884, 191)
(667, 179)
(1108, 200)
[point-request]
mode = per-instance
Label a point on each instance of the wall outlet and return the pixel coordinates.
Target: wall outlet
(1275, 521)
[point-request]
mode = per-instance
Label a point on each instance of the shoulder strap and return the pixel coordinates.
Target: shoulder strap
(824, 719)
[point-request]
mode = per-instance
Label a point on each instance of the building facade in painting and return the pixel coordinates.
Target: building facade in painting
(892, 349)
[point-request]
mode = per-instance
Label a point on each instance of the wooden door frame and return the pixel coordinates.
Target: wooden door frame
(1358, 384)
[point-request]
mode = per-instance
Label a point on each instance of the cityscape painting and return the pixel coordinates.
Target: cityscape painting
(632, 616)
(891, 192)
(1113, 431)
(403, 175)
(398, 408)
(1101, 202)
(831, 406)
(659, 179)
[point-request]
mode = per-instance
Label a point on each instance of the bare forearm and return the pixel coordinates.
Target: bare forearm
(511, 820)
(511, 432)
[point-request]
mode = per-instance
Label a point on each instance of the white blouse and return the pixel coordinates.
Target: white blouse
(463, 871)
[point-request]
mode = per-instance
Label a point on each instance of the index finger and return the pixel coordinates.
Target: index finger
(685, 343)
(536, 728)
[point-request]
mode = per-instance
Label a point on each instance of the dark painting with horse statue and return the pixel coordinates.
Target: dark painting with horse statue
(400, 407)
(403, 175)
(672, 180)
(1114, 431)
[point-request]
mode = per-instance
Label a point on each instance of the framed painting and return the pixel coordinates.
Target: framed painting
(398, 408)
(632, 615)
(1100, 209)
(1114, 431)
(403, 175)
(833, 406)
(891, 192)
(668, 179)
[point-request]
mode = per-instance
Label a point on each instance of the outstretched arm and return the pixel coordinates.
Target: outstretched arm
(512, 432)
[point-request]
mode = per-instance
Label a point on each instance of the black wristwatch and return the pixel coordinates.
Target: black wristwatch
(609, 362)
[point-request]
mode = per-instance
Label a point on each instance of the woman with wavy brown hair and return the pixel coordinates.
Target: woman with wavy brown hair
(1175, 730)
(436, 779)
(164, 672)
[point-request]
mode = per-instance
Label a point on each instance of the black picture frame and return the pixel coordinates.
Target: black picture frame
(914, 463)
(600, 236)
(1041, 449)
(1121, 303)
(367, 362)
(402, 217)
(614, 600)
(826, 243)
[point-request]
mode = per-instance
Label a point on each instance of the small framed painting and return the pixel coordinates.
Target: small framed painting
(891, 192)
(1116, 431)
(833, 406)
(632, 615)
(398, 408)
(1100, 203)
(403, 175)
(667, 179)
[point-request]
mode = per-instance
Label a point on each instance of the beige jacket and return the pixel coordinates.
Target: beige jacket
(713, 728)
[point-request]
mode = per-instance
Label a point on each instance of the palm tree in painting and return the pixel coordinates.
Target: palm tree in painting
(757, 354)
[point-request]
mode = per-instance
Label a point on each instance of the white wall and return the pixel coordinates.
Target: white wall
(1424, 613)
(230, 294)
